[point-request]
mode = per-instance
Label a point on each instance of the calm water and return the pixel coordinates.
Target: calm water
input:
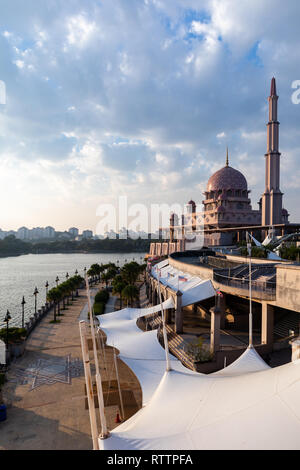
(19, 276)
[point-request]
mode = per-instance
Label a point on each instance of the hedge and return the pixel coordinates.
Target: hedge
(101, 299)
(102, 296)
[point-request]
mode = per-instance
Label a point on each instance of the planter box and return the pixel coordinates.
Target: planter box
(17, 349)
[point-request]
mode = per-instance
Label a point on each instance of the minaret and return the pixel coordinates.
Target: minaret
(272, 197)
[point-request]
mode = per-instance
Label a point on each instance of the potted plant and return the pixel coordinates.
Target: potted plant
(16, 338)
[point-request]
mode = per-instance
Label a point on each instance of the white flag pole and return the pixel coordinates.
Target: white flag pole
(249, 247)
(104, 433)
(164, 328)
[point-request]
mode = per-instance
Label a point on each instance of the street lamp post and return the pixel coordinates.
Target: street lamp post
(47, 287)
(57, 281)
(23, 308)
(6, 320)
(67, 276)
(35, 301)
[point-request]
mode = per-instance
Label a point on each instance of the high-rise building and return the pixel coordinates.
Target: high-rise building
(87, 234)
(23, 233)
(74, 232)
(49, 232)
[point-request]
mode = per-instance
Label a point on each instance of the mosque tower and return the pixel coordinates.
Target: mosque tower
(272, 212)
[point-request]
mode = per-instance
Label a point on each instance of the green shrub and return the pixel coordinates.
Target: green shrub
(14, 334)
(102, 296)
(99, 308)
(101, 299)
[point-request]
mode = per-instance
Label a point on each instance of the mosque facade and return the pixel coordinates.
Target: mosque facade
(227, 202)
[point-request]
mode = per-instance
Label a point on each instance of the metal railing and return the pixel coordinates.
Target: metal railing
(264, 287)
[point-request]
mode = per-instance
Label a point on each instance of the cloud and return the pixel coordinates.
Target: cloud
(139, 97)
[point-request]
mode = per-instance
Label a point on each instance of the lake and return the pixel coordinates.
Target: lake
(20, 275)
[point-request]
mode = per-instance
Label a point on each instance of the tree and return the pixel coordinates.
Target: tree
(54, 296)
(130, 293)
(118, 288)
(130, 272)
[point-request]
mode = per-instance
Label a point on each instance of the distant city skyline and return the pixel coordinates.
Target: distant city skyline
(93, 109)
(50, 233)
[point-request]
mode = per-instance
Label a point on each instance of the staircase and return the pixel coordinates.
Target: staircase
(176, 347)
(289, 322)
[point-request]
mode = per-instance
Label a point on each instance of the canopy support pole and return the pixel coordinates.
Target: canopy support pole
(164, 329)
(88, 382)
(119, 385)
(104, 433)
(249, 246)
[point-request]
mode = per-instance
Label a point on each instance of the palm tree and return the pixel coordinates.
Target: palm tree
(118, 288)
(106, 279)
(130, 272)
(130, 293)
(53, 296)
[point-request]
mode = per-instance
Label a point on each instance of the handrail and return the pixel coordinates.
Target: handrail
(242, 283)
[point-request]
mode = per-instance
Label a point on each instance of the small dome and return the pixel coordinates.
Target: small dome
(227, 178)
(191, 203)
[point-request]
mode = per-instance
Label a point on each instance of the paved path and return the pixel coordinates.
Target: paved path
(84, 312)
(110, 306)
(45, 389)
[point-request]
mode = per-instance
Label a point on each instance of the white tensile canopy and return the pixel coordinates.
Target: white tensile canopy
(140, 350)
(257, 410)
(245, 406)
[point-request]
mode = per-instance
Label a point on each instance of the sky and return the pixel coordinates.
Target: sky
(140, 98)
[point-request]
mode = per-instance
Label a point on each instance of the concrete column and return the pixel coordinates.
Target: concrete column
(267, 323)
(215, 329)
(168, 315)
(149, 293)
(154, 295)
(222, 307)
(178, 313)
(296, 350)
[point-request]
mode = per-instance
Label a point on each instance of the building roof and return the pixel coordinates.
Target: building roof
(227, 178)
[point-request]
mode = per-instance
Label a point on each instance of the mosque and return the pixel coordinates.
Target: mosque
(227, 202)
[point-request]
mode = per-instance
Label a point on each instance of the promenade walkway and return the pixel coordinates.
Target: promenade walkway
(45, 392)
(45, 389)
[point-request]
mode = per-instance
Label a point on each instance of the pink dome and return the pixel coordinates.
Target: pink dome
(227, 178)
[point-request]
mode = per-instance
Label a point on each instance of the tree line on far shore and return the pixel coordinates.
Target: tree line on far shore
(11, 246)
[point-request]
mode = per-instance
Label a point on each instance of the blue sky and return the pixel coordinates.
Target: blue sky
(140, 98)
